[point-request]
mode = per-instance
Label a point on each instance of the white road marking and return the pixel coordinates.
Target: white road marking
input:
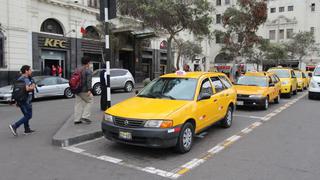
(246, 116)
(178, 172)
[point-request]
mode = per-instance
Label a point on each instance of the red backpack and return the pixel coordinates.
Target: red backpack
(75, 81)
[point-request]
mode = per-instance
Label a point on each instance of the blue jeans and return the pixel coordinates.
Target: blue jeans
(26, 109)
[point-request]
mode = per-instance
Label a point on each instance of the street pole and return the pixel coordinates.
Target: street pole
(107, 12)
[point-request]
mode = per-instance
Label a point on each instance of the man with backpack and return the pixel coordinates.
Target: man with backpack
(80, 84)
(22, 93)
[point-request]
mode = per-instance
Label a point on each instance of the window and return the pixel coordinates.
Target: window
(272, 10)
(227, 2)
(115, 73)
(289, 33)
(206, 88)
(1, 49)
(293, 75)
(218, 2)
(312, 30)
(290, 8)
(313, 7)
(218, 85)
(51, 26)
(218, 18)
(281, 34)
(272, 34)
(218, 39)
(225, 81)
(94, 3)
(281, 9)
(49, 81)
(303, 75)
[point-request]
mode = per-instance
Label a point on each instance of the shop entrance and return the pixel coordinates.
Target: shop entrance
(126, 61)
(50, 59)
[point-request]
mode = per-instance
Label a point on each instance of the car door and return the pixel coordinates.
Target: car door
(47, 87)
(271, 91)
(294, 80)
(221, 96)
(63, 84)
(207, 109)
(277, 84)
(115, 78)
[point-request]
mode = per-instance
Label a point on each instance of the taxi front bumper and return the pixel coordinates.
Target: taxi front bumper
(147, 137)
(249, 101)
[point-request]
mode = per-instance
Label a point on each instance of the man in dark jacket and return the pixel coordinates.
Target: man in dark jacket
(103, 98)
(84, 99)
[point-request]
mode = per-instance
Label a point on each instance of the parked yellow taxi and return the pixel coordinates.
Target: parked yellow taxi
(289, 83)
(258, 89)
(170, 110)
(303, 82)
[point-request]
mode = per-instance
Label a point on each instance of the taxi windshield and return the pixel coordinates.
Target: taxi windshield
(317, 71)
(253, 81)
(298, 74)
(281, 73)
(170, 88)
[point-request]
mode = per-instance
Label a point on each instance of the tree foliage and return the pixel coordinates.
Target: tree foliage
(187, 50)
(241, 24)
(170, 16)
(301, 45)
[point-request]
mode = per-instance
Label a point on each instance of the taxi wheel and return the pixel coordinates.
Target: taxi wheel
(266, 103)
(185, 139)
(277, 99)
(226, 122)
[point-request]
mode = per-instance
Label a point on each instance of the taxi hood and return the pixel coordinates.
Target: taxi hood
(146, 108)
(250, 90)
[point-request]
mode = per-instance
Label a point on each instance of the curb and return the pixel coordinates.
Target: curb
(61, 141)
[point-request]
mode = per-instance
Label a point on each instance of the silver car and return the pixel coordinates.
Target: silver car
(120, 79)
(47, 86)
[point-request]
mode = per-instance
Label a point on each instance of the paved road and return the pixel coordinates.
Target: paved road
(284, 146)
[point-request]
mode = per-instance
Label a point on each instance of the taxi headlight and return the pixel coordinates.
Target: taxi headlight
(256, 96)
(108, 118)
(158, 124)
(314, 84)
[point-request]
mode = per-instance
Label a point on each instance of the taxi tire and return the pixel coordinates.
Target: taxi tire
(180, 148)
(266, 104)
(224, 122)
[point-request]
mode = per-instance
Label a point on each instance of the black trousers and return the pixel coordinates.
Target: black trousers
(103, 98)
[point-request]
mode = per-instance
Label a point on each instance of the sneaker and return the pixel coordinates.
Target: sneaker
(29, 132)
(77, 122)
(13, 130)
(87, 121)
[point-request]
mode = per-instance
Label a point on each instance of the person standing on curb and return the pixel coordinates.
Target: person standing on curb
(84, 99)
(23, 98)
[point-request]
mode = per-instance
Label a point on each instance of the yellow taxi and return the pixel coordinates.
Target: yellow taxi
(258, 89)
(170, 110)
(289, 82)
(303, 82)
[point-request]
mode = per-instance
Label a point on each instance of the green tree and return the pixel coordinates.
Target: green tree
(276, 52)
(171, 17)
(186, 50)
(301, 45)
(241, 24)
(258, 54)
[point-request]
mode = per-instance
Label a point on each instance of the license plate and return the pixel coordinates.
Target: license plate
(125, 135)
(240, 103)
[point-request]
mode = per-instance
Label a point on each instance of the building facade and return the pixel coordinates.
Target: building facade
(43, 33)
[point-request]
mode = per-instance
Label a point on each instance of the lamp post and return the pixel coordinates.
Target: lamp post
(107, 12)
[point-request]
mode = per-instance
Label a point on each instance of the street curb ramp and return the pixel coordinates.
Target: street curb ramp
(70, 134)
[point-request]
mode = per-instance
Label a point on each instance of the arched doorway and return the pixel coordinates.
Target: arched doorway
(91, 33)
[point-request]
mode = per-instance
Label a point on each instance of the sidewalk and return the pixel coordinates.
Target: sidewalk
(70, 134)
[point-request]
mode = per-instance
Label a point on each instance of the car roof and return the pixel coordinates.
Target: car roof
(195, 75)
(258, 74)
(284, 68)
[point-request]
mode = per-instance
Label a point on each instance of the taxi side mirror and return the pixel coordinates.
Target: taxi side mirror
(204, 96)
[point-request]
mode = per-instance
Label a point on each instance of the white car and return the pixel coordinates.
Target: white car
(314, 87)
(47, 86)
(120, 79)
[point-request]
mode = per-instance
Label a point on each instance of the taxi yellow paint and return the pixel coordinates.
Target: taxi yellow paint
(257, 95)
(302, 79)
(200, 112)
(289, 84)
(179, 111)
